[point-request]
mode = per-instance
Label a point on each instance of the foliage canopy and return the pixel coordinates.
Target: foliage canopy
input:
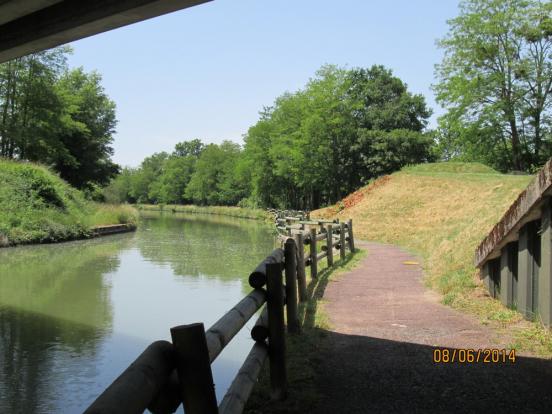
(310, 148)
(496, 83)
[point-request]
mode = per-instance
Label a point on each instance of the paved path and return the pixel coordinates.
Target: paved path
(378, 358)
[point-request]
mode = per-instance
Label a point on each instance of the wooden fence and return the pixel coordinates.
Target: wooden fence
(167, 374)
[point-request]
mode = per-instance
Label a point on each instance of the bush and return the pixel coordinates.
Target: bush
(38, 206)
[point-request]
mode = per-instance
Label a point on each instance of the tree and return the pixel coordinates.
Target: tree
(57, 116)
(189, 148)
(383, 103)
(312, 147)
(384, 152)
(496, 77)
(144, 185)
(118, 190)
(213, 182)
(30, 108)
(87, 126)
(309, 147)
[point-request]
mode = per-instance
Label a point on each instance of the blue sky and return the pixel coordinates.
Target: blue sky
(207, 71)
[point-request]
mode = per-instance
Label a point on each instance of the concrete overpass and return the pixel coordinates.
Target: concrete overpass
(28, 26)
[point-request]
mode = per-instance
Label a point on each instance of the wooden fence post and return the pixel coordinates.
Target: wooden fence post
(329, 245)
(351, 238)
(342, 241)
(276, 331)
(193, 366)
(301, 276)
(313, 265)
(291, 286)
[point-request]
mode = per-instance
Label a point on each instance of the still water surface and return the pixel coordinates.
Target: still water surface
(74, 315)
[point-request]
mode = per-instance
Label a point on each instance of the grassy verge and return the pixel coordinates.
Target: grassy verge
(249, 213)
(301, 349)
(105, 214)
(36, 206)
(441, 212)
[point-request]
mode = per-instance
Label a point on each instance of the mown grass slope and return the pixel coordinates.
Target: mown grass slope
(37, 206)
(441, 212)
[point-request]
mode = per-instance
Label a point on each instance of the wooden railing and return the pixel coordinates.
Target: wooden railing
(167, 374)
(337, 238)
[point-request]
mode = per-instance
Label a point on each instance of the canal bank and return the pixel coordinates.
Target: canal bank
(36, 206)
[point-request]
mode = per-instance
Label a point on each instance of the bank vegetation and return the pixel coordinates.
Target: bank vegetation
(37, 206)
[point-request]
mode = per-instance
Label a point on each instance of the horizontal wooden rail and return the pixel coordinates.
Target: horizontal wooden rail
(237, 395)
(292, 218)
(321, 236)
(257, 279)
(259, 332)
(321, 255)
(137, 388)
(222, 332)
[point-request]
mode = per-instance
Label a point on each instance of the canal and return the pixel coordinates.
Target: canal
(74, 315)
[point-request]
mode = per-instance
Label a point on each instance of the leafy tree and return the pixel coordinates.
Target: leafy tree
(496, 82)
(175, 176)
(118, 190)
(308, 148)
(312, 147)
(88, 123)
(144, 185)
(30, 109)
(383, 103)
(189, 148)
(57, 116)
(383, 152)
(213, 181)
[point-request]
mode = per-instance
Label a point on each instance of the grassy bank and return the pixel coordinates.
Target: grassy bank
(302, 349)
(249, 213)
(36, 206)
(441, 212)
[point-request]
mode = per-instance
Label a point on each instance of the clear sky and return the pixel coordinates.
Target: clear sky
(206, 72)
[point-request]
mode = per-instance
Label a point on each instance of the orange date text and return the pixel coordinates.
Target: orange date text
(474, 356)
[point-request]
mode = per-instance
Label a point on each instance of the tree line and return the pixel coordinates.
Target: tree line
(57, 116)
(312, 147)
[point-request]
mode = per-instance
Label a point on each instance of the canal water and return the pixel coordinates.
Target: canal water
(74, 315)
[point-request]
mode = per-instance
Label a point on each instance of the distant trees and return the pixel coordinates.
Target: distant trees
(312, 147)
(496, 83)
(57, 116)
(194, 173)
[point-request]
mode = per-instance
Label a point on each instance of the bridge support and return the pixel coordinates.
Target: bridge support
(491, 277)
(508, 274)
(545, 273)
(528, 268)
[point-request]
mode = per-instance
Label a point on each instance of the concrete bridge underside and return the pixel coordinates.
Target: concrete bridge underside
(28, 26)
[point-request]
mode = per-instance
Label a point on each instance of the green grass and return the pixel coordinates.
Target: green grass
(302, 348)
(441, 212)
(249, 213)
(104, 214)
(36, 206)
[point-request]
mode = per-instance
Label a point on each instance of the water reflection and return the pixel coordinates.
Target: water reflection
(220, 247)
(74, 315)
